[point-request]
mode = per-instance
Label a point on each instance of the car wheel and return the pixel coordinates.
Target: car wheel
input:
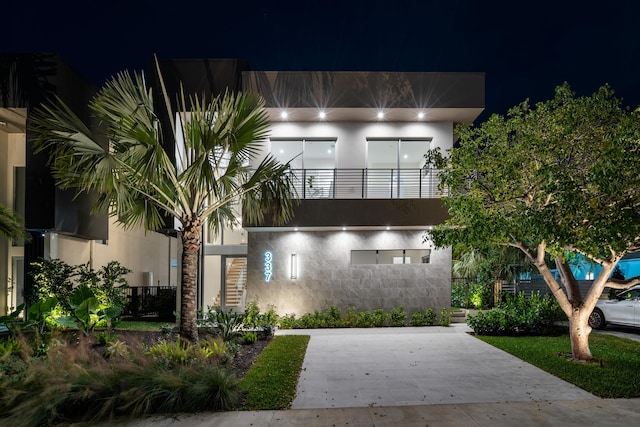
(596, 319)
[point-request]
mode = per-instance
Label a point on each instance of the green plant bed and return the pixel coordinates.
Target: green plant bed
(272, 380)
(613, 373)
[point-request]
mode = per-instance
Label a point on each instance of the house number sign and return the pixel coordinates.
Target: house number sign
(268, 266)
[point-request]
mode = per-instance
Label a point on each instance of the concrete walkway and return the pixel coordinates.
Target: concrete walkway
(350, 368)
(419, 377)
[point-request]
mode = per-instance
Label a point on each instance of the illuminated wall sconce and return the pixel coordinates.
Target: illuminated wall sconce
(294, 266)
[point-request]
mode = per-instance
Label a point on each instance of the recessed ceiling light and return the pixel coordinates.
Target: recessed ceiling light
(281, 151)
(421, 115)
(380, 114)
(284, 115)
(329, 151)
(405, 156)
(322, 114)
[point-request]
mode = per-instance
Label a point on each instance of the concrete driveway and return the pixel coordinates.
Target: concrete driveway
(349, 368)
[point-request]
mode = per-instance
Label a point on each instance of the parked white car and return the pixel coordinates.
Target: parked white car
(624, 310)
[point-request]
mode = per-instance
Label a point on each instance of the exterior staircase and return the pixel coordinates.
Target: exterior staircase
(236, 281)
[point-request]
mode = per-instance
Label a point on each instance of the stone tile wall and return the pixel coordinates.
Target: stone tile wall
(326, 277)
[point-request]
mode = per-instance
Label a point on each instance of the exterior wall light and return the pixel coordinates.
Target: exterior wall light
(294, 266)
(380, 115)
(284, 115)
(322, 115)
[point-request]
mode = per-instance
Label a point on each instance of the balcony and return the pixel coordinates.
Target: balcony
(367, 183)
(365, 199)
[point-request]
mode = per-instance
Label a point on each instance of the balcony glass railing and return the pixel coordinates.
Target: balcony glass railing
(367, 183)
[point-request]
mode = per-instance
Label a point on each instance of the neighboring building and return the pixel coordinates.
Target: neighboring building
(60, 226)
(357, 235)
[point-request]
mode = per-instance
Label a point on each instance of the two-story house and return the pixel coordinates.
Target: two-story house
(356, 143)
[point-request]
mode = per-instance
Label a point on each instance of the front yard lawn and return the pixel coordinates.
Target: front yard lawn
(613, 373)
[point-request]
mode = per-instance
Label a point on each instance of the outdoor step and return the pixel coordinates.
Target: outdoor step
(459, 316)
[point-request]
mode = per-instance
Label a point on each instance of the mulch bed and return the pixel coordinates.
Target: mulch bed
(241, 363)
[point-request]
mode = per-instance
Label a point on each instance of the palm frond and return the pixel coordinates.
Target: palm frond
(11, 225)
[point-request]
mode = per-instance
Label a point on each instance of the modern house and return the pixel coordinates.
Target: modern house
(355, 142)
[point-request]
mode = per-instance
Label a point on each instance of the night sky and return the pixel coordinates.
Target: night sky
(525, 48)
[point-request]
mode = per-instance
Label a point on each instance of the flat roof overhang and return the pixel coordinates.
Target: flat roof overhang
(360, 96)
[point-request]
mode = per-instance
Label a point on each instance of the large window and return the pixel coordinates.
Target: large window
(394, 166)
(401, 153)
(305, 153)
(390, 256)
(314, 161)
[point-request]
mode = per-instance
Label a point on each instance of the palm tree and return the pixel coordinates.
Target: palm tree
(138, 182)
(11, 226)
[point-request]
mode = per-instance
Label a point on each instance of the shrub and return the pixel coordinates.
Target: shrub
(364, 319)
(53, 278)
(248, 338)
(349, 320)
(116, 348)
(185, 353)
(87, 311)
(10, 347)
(426, 318)
(397, 317)
(445, 317)
(429, 317)
(218, 349)
(380, 317)
(288, 321)
(105, 337)
(227, 323)
(334, 317)
(518, 315)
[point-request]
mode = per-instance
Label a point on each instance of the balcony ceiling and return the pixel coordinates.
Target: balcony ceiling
(13, 120)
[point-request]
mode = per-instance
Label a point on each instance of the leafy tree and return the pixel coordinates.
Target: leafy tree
(11, 225)
(488, 265)
(139, 182)
(553, 179)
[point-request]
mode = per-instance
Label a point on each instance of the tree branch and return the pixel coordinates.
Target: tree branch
(622, 283)
(569, 281)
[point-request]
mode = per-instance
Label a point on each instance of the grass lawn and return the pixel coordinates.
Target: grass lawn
(613, 373)
(272, 380)
(131, 325)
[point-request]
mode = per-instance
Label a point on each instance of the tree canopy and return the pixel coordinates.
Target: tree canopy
(554, 178)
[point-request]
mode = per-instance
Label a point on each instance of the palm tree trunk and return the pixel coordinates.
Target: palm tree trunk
(191, 235)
